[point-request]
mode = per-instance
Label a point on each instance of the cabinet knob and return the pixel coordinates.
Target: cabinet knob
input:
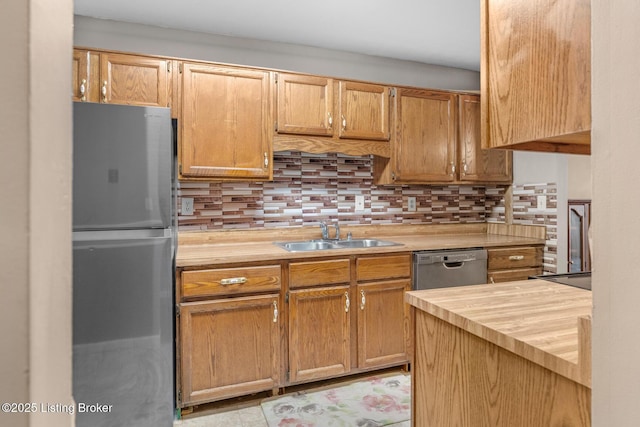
(347, 303)
(330, 119)
(83, 89)
(362, 300)
(344, 123)
(104, 91)
(275, 312)
(464, 167)
(266, 160)
(453, 168)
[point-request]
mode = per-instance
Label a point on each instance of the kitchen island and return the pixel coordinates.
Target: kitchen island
(515, 353)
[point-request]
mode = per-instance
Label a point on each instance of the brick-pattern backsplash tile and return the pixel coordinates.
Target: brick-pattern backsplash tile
(308, 188)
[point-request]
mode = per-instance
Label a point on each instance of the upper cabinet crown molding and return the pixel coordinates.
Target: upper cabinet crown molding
(536, 75)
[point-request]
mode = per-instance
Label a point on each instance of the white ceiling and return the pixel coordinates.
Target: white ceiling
(443, 32)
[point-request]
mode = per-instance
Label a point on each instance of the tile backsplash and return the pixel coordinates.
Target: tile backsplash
(308, 188)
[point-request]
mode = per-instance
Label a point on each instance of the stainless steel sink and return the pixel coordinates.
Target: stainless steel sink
(320, 245)
(365, 243)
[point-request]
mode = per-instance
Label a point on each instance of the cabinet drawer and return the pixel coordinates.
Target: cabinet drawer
(383, 267)
(512, 275)
(319, 273)
(516, 257)
(230, 281)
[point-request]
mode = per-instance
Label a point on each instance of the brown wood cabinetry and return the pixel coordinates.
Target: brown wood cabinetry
(438, 141)
(474, 163)
(319, 319)
(320, 114)
(513, 263)
(226, 125)
(304, 104)
(347, 315)
(536, 96)
(117, 78)
(383, 317)
(363, 110)
(231, 343)
(319, 333)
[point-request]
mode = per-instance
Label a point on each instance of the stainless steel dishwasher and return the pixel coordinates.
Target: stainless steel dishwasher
(443, 269)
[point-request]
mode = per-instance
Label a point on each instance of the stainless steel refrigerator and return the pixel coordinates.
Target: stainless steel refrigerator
(123, 263)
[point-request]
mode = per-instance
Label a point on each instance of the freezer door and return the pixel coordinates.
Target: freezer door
(122, 158)
(123, 331)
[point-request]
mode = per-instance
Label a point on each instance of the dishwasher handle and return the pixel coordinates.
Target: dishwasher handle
(454, 265)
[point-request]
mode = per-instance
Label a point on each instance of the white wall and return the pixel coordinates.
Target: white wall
(579, 177)
(35, 212)
(105, 34)
(616, 203)
(533, 168)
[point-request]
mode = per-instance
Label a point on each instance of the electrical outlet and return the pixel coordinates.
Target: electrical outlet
(542, 202)
(359, 203)
(187, 206)
(411, 204)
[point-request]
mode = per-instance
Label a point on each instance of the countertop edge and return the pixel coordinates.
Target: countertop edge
(579, 372)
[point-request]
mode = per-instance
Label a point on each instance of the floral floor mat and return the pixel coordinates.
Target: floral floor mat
(372, 402)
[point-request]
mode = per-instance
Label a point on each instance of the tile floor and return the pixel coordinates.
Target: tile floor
(246, 417)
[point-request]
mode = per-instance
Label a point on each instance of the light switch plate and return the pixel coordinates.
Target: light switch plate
(542, 202)
(359, 203)
(187, 206)
(411, 204)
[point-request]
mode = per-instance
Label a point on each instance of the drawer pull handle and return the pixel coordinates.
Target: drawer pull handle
(362, 300)
(516, 257)
(275, 312)
(233, 281)
(347, 302)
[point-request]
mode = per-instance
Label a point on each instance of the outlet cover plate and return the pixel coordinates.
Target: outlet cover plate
(411, 204)
(542, 202)
(359, 203)
(187, 206)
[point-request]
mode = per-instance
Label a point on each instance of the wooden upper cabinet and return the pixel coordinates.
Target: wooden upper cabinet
(363, 111)
(226, 125)
(80, 75)
(536, 75)
(118, 78)
(474, 163)
(134, 80)
(425, 149)
(304, 105)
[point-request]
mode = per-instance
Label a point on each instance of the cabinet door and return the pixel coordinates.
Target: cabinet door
(226, 125)
(426, 146)
(383, 323)
(80, 75)
(134, 80)
(364, 111)
(536, 95)
(217, 364)
(305, 105)
(319, 333)
(476, 164)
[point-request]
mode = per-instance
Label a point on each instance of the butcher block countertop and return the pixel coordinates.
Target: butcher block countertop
(541, 321)
(202, 249)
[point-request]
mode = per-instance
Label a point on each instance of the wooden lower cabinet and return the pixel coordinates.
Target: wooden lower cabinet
(383, 338)
(229, 347)
(513, 263)
(319, 333)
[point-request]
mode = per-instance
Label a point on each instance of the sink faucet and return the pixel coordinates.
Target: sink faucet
(325, 231)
